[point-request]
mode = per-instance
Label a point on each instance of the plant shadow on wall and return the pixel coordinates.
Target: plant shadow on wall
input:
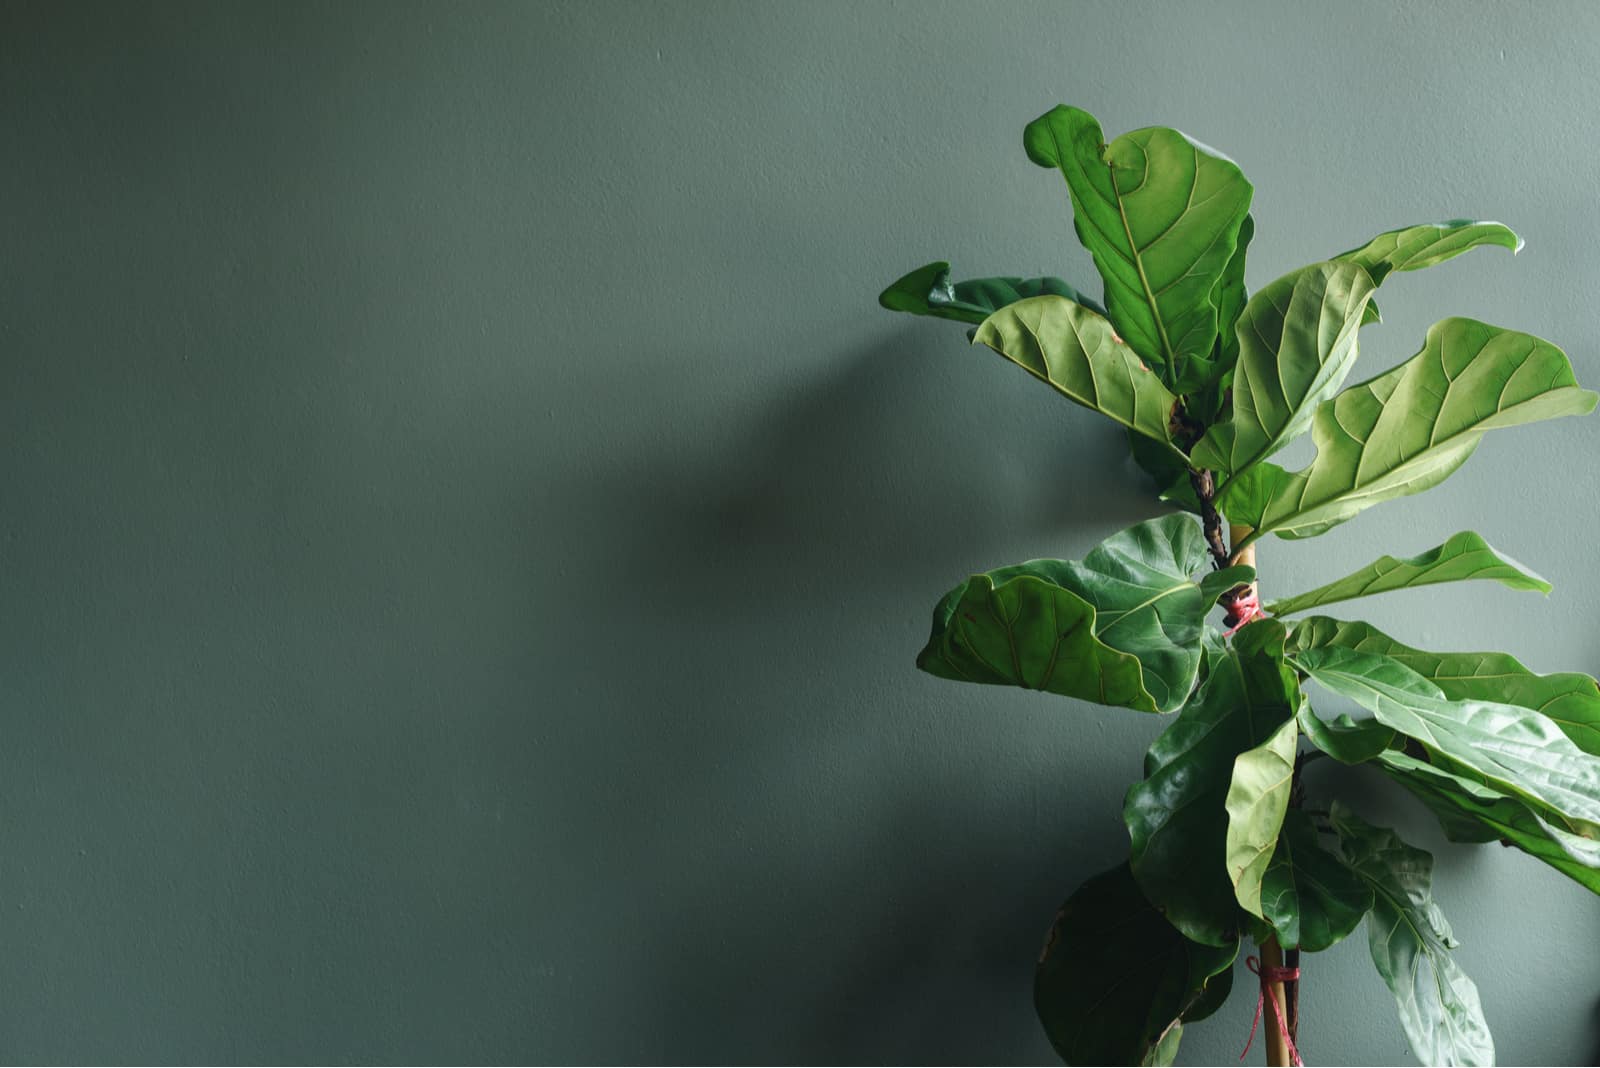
(1226, 842)
(868, 895)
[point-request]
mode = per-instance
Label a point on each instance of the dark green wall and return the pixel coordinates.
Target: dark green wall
(465, 526)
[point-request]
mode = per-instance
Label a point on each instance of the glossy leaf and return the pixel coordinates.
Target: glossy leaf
(1346, 739)
(1463, 557)
(1177, 816)
(1407, 430)
(1114, 975)
(1308, 895)
(1258, 796)
(1121, 628)
(929, 291)
(1513, 749)
(1161, 216)
(1410, 941)
(1469, 811)
(1297, 342)
(1412, 248)
(1569, 699)
(1075, 351)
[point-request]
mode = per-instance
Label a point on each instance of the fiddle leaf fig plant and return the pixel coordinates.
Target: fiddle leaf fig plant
(1209, 383)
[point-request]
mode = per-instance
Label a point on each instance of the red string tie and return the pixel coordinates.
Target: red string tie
(1243, 608)
(1270, 976)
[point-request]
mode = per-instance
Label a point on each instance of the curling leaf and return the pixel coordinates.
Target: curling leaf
(1308, 895)
(929, 291)
(1258, 796)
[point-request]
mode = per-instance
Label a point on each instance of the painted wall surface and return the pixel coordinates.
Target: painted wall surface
(466, 525)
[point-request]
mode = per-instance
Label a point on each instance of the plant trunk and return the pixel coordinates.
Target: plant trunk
(1277, 1044)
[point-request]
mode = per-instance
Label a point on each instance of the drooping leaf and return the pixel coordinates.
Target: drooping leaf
(1114, 975)
(1407, 430)
(1169, 475)
(1177, 816)
(1121, 628)
(1463, 557)
(1308, 895)
(1258, 796)
(1515, 750)
(1161, 215)
(1297, 342)
(929, 291)
(1346, 739)
(1412, 248)
(1570, 699)
(1469, 811)
(1074, 351)
(1410, 941)
(1165, 1051)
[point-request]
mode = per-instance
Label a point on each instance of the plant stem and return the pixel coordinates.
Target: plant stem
(1277, 1046)
(1210, 521)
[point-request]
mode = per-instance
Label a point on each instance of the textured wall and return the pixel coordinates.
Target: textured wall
(466, 525)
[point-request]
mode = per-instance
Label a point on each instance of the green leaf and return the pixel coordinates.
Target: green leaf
(1161, 216)
(1258, 796)
(1165, 1051)
(1469, 811)
(1075, 351)
(1515, 750)
(1114, 975)
(1347, 740)
(1308, 895)
(1410, 942)
(1229, 296)
(1412, 248)
(1121, 628)
(1169, 474)
(1297, 342)
(1464, 556)
(1407, 430)
(928, 291)
(1177, 818)
(1569, 699)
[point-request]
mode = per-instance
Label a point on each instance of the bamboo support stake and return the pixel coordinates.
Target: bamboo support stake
(1277, 1043)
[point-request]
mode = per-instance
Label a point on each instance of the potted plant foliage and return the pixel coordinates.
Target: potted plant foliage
(1225, 844)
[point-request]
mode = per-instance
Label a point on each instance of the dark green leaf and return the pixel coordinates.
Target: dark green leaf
(1177, 817)
(1469, 811)
(1515, 750)
(1229, 296)
(1297, 342)
(1311, 899)
(1121, 628)
(1463, 557)
(1410, 942)
(1407, 430)
(1074, 351)
(1168, 473)
(1571, 700)
(1161, 216)
(1347, 740)
(1115, 976)
(928, 291)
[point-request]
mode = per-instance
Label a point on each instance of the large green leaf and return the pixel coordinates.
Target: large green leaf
(1177, 817)
(1297, 342)
(1469, 811)
(1410, 942)
(1121, 628)
(1464, 556)
(1311, 899)
(929, 291)
(1258, 796)
(1161, 215)
(1412, 248)
(1115, 976)
(1075, 351)
(1571, 700)
(1515, 750)
(1407, 430)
